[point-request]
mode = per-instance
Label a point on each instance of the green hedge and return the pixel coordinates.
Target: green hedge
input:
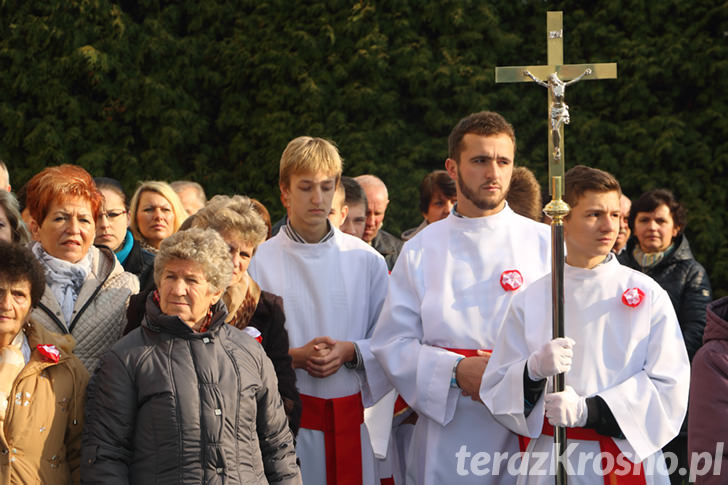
(213, 91)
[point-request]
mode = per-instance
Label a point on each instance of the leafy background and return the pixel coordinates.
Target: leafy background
(213, 90)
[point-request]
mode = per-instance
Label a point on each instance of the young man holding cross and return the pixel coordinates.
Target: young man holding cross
(627, 371)
(447, 296)
(333, 286)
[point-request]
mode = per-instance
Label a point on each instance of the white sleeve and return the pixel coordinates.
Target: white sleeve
(502, 387)
(373, 380)
(421, 373)
(650, 405)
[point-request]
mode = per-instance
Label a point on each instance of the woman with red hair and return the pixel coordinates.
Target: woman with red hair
(87, 290)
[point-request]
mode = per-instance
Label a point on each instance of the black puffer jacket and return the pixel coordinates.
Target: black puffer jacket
(168, 405)
(686, 281)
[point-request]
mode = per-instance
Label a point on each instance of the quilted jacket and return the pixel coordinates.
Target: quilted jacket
(168, 405)
(99, 315)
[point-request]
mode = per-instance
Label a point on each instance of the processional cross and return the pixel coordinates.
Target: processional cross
(556, 76)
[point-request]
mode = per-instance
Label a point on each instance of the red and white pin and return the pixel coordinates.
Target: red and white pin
(633, 297)
(511, 280)
(255, 333)
(50, 352)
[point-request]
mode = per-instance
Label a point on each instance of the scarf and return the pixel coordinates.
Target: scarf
(650, 260)
(241, 307)
(64, 279)
(126, 246)
(12, 362)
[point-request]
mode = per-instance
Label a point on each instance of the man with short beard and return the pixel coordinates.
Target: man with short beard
(447, 298)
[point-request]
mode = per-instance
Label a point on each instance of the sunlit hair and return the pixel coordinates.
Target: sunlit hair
(484, 123)
(306, 154)
(10, 206)
(651, 200)
(581, 179)
(4, 175)
(437, 180)
(20, 264)
(60, 184)
(236, 214)
(107, 183)
(524, 194)
(263, 211)
(204, 247)
(163, 189)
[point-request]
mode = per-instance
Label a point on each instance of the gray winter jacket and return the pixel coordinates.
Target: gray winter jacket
(168, 405)
(99, 314)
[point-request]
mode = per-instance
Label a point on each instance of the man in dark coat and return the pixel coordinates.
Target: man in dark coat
(386, 244)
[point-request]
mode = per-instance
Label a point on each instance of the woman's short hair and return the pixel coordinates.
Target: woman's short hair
(9, 205)
(107, 183)
(651, 200)
(60, 183)
(20, 264)
(202, 246)
(308, 154)
(166, 191)
(437, 180)
(235, 214)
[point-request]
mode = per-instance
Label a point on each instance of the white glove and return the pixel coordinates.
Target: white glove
(554, 357)
(566, 408)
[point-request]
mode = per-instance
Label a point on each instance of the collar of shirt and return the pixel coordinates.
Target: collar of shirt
(295, 236)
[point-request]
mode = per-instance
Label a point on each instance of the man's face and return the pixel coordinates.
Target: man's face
(356, 220)
(308, 199)
(483, 174)
(190, 201)
(378, 201)
(591, 228)
(14, 308)
(624, 231)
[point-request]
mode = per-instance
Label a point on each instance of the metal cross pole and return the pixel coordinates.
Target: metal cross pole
(556, 76)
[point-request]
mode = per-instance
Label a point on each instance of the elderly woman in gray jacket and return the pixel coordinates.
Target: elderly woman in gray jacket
(186, 398)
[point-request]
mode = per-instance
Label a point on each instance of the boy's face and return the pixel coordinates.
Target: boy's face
(355, 220)
(308, 199)
(591, 228)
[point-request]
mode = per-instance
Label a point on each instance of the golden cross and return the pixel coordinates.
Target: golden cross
(557, 108)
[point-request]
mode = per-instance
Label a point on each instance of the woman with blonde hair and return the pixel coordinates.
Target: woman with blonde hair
(156, 212)
(12, 227)
(87, 290)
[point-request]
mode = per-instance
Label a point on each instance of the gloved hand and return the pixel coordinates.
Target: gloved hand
(554, 357)
(566, 408)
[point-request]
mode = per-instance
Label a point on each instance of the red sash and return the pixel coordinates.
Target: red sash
(632, 476)
(340, 420)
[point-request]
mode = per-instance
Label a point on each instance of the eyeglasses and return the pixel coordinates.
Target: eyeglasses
(111, 215)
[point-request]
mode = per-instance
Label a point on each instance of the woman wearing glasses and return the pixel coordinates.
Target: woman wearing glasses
(112, 231)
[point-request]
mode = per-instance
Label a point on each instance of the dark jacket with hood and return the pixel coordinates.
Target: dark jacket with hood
(686, 281)
(169, 405)
(708, 418)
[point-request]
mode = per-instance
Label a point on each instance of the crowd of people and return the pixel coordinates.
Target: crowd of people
(168, 338)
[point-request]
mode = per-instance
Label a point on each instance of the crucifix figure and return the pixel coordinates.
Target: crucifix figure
(557, 75)
(559, 108)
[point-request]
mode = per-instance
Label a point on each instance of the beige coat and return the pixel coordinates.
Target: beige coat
(41, 442)
(99, 315)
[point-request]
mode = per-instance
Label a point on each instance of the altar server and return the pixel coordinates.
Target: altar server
(627, 371)
(333, 286)
(447, 295)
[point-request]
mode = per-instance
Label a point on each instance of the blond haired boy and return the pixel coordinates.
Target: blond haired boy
(333, 286)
